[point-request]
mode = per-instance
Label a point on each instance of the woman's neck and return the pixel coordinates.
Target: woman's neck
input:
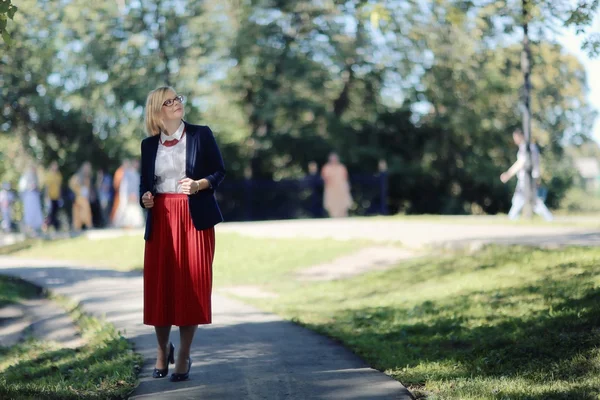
(171, 126)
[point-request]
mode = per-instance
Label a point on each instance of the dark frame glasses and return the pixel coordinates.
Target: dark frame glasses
(169, 102)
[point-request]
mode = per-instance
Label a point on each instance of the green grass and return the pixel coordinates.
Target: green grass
(238, 259)
(508, 323)
(12, 290)
(104, 368)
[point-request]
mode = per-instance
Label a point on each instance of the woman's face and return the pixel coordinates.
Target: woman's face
(172, 108)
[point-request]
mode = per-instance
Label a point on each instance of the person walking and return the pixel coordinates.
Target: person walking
(337, 199)
(518, 169)
(181, 167)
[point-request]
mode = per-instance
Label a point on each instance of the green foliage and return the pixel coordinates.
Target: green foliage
(579, 201)
(431, 88)
(7, 11)
(505, 323)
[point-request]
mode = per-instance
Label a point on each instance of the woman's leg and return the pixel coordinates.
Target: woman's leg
(162, 337)
(87, 215)
(76, 215)
(186, 336)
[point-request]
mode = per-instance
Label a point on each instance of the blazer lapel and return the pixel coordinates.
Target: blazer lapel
(192, 148)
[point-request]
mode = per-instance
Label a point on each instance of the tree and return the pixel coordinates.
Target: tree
(7, 11)
(78, 94)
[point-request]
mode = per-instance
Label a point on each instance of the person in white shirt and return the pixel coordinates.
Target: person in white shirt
(518, 169)
(29, 189)
(181, 167)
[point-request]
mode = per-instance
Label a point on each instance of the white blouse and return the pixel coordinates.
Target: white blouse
(170, 162)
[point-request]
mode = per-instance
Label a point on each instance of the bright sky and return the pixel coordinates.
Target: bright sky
(572, 43)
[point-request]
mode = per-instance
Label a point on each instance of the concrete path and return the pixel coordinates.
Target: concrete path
(244, 354)
(419, 234)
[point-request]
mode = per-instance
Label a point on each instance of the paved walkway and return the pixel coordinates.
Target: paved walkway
(244, 354)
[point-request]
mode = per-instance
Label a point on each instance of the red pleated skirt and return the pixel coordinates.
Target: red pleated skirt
(177, 266)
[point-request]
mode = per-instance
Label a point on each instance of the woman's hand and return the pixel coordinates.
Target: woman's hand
(190, 186)
(148, 200)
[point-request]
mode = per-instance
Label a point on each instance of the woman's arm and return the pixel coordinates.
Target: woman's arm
(215, 162)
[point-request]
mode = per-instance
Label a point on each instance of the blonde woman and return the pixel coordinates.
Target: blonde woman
(181, 166)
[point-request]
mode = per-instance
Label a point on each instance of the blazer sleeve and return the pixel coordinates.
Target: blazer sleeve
(215, 160)
(143, 175)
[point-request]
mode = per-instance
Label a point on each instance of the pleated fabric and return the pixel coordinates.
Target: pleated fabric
(177, 266)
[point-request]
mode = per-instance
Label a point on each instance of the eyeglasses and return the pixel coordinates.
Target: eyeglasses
(169, 103)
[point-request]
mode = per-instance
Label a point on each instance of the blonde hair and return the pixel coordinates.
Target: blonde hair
(154, 103)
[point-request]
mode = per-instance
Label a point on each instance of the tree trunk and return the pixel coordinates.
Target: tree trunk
(526, 69)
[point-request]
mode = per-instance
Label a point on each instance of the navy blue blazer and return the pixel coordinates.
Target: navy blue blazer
(203, 160)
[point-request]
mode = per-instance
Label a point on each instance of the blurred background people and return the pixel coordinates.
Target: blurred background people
(117, 177)
(104, 190)
(29, 190)
(518, 169)
(81, 185)
(7, 198)
(337, 199)
(52, 183)
(129, 214)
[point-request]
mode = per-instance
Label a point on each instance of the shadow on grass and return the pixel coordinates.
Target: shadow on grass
(543, 333)
(101, 370)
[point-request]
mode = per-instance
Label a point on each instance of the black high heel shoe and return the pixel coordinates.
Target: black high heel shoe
(182, 377)
(161, 373)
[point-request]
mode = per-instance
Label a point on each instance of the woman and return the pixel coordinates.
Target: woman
(181, 167)
(81, 185)
(104, 190)
(117, 178)
(29, 189)
(129, 214)
(336, 197)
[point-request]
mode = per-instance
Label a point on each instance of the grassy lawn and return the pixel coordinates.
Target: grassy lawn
(104, 368)
(238, 259)
(508, 323)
